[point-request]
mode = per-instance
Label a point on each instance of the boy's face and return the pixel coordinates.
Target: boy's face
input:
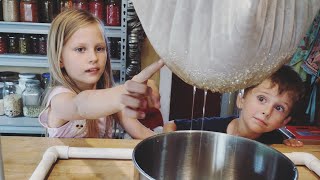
(264, 109)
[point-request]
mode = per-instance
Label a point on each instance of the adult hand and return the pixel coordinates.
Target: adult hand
(169, 127)
(137, 93)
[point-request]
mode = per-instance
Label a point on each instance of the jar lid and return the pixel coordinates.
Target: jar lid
(9, 83)
(8, 75)
(27, 75)
(46, 75)
(32, 82)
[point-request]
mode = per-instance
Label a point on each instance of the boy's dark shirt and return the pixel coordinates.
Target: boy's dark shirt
(220, 124)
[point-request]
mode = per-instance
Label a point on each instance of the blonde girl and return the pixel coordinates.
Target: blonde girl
(82, 101)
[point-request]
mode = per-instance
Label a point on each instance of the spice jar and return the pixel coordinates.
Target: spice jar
(3, 44)
(43, 44)
(114, 47)
(118, 49)
(23, 78)
(34, 44)
(24, 44)
(64, 4)
(13, 44)
(80, 4)
(29, 11)
(9, 76)
(48, 9)
(10, 10)
(12, 101)
(96, 8)
(31, 98)
(113, 14)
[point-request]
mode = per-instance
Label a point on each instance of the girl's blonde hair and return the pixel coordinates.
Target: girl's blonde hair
(62, 28)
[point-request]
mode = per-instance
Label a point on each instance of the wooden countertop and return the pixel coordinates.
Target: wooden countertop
(21, 156)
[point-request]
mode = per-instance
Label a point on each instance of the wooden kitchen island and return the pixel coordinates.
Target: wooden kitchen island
(21, 156)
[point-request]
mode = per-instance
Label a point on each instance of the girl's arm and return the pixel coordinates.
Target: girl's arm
(89, 104)
(130, 97)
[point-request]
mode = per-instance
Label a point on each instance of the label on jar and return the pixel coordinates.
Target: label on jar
(113, 15)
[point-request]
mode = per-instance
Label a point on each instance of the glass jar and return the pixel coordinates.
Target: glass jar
(24, 44)
(113, 13)
(48, 10)
(13, 44)
(23, 78)
(96, 8)
(9, 76)
(29, 11)
(3, 44)
(1, 99)
(1, 11)
(114, 47)
(31, 98)
(118, 50)
(64, 4)
(43, 44)
(10, 10)
(45, 80)
(12, 101)
(34, 44)
(80, 4)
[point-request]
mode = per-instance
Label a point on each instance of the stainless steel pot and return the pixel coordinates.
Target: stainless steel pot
(209, 155)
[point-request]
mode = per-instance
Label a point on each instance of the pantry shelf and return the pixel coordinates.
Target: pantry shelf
(21, 125)
(24, 27)
(24, 125)
(18, 60)
(23, 60)
(43, 28)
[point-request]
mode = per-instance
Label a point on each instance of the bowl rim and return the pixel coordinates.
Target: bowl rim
(206, 132)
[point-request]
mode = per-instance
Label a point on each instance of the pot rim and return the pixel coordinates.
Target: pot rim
(205, 132)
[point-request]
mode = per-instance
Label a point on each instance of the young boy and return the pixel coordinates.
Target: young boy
(264, 108)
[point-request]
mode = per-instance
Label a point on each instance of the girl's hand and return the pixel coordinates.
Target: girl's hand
(293, 142)
(135, 100)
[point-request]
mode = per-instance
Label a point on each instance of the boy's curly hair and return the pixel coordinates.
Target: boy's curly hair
(288, 81)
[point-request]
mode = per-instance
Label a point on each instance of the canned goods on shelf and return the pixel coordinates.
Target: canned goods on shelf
(29, 11)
